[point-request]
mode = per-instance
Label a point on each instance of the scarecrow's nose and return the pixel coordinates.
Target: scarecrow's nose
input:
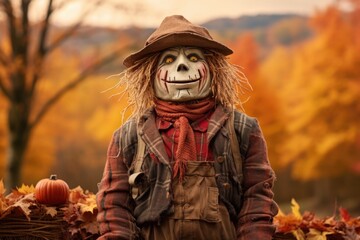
(182, 67)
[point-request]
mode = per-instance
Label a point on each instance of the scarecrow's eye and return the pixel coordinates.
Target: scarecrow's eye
(169, 59)
(193, 57)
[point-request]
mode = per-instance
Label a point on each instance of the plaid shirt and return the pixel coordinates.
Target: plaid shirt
(116, 206)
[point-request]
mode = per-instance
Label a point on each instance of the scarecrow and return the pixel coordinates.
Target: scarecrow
(187, 165)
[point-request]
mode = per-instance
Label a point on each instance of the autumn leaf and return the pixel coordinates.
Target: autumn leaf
(81, 212)
(298, 234)
(2, 188)
(71, 214)
(92, 227)
(19, 206)
(291, 222)
(322, 225)
(89, 205)
(77, 195)
(312, 228)
(351, 233)
(25, 189)
(307, 217)
(354, 222)
(330, 221)
(24, 208)
(2, 191)
(314, 234)
(286, 223)
(3, 206)
(86, 208)
(24, 203)
(51, 211)
(295, 208)
(344, 214)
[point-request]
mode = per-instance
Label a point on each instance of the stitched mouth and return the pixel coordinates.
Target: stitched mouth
(167, 80)
(181, 81)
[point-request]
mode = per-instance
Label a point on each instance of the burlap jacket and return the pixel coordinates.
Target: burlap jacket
(249, 203)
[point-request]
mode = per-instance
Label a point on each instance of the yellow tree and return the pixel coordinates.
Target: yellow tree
(322, 97)
(3, 135)
(263, 101)
(25, 47)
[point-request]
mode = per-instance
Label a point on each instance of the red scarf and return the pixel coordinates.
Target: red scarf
(180, 114)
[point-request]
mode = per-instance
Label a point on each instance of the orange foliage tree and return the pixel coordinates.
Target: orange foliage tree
(321, 93)
(3, 135)
(263, 101)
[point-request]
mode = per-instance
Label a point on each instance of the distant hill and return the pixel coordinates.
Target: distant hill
(269, 30)
(249, 22)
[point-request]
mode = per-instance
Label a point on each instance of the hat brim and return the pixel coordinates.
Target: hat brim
(174, 40)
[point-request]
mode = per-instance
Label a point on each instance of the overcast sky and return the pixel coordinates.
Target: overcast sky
(149, 13)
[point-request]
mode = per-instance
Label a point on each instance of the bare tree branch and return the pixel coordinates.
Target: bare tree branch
(3, 60)
(25, 10)
(25, 28)
(41, 50)
(9, 11)
(3, 89)
(72, 84)
(45, 29)
(72, 29)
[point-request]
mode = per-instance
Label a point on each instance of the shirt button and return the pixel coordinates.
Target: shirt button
(186, 205)
(220, 159)
(226, 185)
(267, 185)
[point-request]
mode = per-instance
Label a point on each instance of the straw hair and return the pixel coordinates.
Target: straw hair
(228, 82)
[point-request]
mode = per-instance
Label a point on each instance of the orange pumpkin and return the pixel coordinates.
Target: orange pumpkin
(52, 191)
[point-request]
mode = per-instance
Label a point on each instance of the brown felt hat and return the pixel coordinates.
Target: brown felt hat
(176, 31)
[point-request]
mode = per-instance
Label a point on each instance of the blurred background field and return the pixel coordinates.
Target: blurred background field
(304, 67)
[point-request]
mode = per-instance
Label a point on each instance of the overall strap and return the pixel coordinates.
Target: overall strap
(235, 146)
(139, 157)
(136, 176)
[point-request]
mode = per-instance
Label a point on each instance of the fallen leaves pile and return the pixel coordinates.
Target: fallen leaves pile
(21, 215)
(307, 226)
